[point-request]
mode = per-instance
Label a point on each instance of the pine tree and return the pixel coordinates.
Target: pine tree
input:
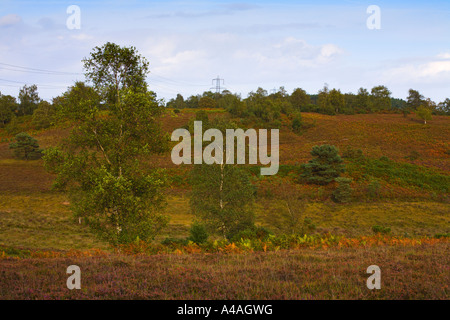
(26, 147)
(325, 167)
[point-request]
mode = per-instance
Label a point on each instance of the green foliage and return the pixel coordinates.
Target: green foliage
(202, 116)
(355, 154)
(44, 116)
(300, 99)
(252, 233)
(13, 126)
(100, 162)
(297, 123)
(373, 189)
(7, 107)
(414, 100)
(381, 229)
(402, 173)
(222, 198)
(424, 113)
(343, 192)
(112, 68)
(325, 167)
(26, 147)
(198, 233)
(28, 100)
(207, 103)
(380, 100)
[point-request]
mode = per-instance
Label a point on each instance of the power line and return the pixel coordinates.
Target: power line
(35, 70)
(49, 86)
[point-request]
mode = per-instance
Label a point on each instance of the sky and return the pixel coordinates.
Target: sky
(248, 44)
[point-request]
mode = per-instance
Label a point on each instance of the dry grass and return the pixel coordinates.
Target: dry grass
(406, 273)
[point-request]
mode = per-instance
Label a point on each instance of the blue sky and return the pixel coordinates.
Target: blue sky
(250, 44)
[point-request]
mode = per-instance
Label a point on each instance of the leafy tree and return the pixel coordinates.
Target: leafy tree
(380, 99)
(78, 96)
(7, 107)
(300, 99)
(424, 113)
(192, 102)
(26, 147)
(13, 127)
(282, 101)
(100, 162)
(207, 103)
(112, 68)
(362, 101)
(331, 101)
(343, 192)
(28, 99)
(444, 107)
(335, 101)
(222, 195)
(325, 167)
(44, 116)
(414, 100)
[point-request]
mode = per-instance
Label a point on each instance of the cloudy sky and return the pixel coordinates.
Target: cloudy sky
(249, 44)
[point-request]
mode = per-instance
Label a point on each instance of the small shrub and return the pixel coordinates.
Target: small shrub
(174, 243)
(343, 192)
(255, 233)
(373, 189)
(381, 229)
(297, 123)
(198, 233)
(350, 153)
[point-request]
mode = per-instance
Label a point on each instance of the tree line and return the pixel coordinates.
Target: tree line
(268, 107)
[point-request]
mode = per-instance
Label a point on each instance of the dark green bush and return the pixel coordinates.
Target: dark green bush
(343, 192)
(26, 147)
(381, 229)
(198, 233)
(254, 233)
(325, 167)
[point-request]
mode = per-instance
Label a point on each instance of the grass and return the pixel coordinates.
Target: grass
(406, 273)
(404, 174)
(44, 220)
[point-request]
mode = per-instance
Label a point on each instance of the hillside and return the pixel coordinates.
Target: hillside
(412, 201)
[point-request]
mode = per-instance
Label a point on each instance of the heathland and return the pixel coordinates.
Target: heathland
(397, 218)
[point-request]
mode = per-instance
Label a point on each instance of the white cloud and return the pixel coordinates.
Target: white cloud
(10, 20)
(82, 37)
(437, 69)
